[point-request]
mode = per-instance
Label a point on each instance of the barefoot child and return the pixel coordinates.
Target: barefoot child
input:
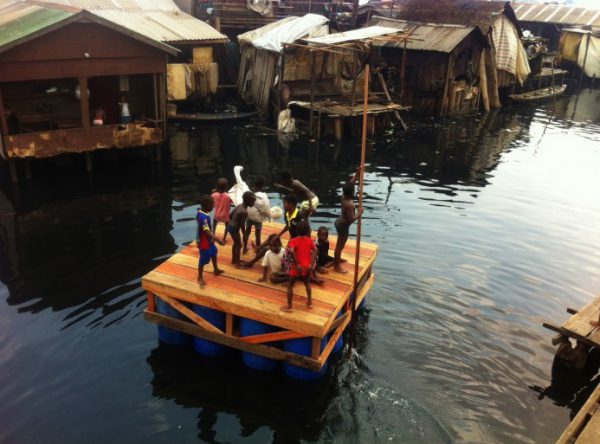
(206, 239)
(323, 258)
(236, 225)
(259, 251)
(342, 224)
(272, 263)
(222, 205)
(259, 213)
(304, 255)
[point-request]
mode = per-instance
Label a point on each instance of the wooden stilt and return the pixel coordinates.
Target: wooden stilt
(84, 102)
(157, 152)
(12, 168)
(338, 128)
(312, 90)
(151, 302)
(28, 168)
(229, 324)
(89, 166)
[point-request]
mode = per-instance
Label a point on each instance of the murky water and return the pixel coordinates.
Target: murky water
(488, 226)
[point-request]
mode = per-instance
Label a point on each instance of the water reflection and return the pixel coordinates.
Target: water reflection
(488, 226)
(85, 252)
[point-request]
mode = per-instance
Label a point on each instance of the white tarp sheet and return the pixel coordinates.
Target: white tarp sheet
(310, 25)
(592, 61)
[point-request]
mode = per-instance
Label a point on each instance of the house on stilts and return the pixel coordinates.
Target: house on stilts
(66, 67)
(505, 61)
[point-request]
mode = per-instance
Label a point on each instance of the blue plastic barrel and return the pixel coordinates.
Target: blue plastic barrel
(168, 335)
(340, 342)
(302, 346)
(216, 318)
(249, 327)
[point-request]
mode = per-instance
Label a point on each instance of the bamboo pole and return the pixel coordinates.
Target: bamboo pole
(361, 175)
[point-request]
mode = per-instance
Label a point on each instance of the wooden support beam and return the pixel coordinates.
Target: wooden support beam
(3, 123)
(333, 339)
(273, 337)
(229, 324)
(151, 302)
(190, 314)
(84, 101)
(12, 168)
(313, 80)
(220, 338)
(156, 92)
(569, 334)
(28, 175)
(572, 311)
(89, 166)
(315, 350)
(338, 321)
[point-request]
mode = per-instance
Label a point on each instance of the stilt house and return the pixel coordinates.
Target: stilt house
(444, 66)
(506, 60)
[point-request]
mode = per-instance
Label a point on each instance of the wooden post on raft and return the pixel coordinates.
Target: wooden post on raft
(361, 176)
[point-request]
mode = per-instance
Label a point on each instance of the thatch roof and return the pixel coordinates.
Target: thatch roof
(459, 12)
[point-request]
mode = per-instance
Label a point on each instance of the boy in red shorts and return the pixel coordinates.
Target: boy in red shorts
(304, 253)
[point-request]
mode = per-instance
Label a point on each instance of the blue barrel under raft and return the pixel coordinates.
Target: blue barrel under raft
(168, 335)
(216, 318)
(302, 346)
(249, 327)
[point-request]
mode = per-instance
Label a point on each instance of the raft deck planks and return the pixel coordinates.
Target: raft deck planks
(239, 294)
(579, 326)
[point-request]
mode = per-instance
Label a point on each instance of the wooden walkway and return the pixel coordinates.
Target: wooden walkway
(585, 427)
(238, 293)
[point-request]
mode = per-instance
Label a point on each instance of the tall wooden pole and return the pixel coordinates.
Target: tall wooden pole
(361, 176)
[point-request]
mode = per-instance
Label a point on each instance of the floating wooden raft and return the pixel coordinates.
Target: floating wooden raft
(539, 94)
(238, 293)
(579, 325)
(585, 427)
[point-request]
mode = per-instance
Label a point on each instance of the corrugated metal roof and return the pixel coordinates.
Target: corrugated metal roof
(160, 20)
(354, 35)
(272, 36)
(429, 36)
(140, 5)
(19, 20)
(164, 26)
(563, 15)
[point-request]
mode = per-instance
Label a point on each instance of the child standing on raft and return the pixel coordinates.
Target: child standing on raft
(237, 223)
(342, 224)
(222, 205)
(205, 239)
(304, 254)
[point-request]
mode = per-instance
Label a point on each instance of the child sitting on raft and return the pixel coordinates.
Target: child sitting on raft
(272, 263)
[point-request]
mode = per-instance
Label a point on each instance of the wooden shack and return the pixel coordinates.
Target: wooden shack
(62, 69)
(261, 57)
(548, 21)
(444, 66)
(581, 47)
(506, 60)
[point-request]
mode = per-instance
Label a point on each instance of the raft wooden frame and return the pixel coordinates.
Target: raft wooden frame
(237, 293)
(585, 427)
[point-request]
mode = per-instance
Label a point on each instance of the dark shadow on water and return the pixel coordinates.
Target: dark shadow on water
(571, 387)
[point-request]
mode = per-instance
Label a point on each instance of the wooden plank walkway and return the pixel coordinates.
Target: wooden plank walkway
(238, 293)
(585, 427)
